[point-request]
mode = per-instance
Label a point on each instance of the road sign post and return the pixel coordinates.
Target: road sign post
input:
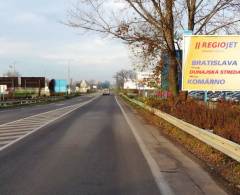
(205, 96)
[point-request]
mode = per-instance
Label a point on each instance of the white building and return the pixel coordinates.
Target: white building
(130, 84)
(83, 87)
(143, 81)
(144, 75)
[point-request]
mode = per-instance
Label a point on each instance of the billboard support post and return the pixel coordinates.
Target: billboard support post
(205, 96)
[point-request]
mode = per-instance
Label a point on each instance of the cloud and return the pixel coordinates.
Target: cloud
(28, 18)
(94, 55)
(32, 36)
(14, 48)
(88, 50)
(96, 52)
(116, 5)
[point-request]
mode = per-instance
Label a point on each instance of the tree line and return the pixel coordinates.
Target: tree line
(152, 28)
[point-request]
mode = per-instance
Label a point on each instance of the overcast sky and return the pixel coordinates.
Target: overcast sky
(32, 38)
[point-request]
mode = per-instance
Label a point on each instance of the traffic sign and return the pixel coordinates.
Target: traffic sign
(3, 89)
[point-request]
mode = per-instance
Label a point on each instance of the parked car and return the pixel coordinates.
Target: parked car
(234, 97)
(217, 96)
(197, 95)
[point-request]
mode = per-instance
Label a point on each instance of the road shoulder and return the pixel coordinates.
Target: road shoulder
(183, 174)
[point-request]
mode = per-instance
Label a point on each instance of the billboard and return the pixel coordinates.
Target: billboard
(24, 82)
(32, 82)
(11, 82)
(211, 63)
(60, 86)
(3, 89)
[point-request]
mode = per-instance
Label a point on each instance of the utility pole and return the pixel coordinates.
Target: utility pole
(68, 77)
(68, 74)
(14, 68)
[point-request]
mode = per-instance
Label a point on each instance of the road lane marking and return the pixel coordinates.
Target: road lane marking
(10, 137)
(60, 104)
(156, 172)
(29, 125)
(20, 125)
(14, 130)
(2, 143)
(12, 133)
(48, 113)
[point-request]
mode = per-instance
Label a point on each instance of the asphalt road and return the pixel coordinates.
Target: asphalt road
(90, 151)
(101, 148)
(12, 114)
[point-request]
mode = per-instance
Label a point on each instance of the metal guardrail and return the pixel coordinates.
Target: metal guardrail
(223, 145)
(28, 101)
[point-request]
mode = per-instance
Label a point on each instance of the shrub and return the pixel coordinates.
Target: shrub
(222, 118)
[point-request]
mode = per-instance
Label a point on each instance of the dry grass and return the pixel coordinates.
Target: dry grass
(218, 163)
(223, 119)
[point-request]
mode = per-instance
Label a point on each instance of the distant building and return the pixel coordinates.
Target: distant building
(147, 81)
(23, 82)
(83, 87)
(30, 85)
(130, 84)
(11, 82)
(144, 75)
(32, 82)
(143, 81)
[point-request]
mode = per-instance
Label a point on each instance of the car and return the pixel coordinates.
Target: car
(217, 96)
(234, 97)
(197, 94)
(106, 92)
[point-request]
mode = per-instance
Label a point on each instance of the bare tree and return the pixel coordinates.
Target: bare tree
(10, 73)
(122, 76)
(150, 27)
(207, 17)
